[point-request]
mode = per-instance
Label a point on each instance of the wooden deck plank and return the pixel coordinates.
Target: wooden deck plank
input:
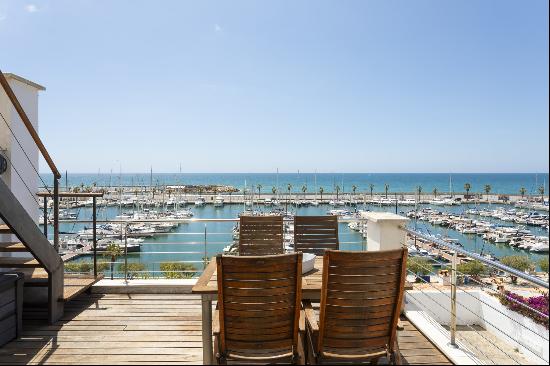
(141, 329)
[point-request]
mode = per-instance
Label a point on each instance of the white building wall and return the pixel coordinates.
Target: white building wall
(27, 94)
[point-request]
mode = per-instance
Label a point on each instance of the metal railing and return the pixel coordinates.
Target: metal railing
(211, 242)
(427, 291)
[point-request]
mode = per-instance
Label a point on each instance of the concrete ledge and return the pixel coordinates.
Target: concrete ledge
(161, 286)
(440, 337)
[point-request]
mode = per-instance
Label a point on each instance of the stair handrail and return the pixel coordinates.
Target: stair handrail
(28, 125)
(34, 135)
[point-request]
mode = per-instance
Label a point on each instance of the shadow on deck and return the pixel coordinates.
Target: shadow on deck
(142, 329)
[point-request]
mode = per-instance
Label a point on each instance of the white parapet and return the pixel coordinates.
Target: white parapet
(384, 230)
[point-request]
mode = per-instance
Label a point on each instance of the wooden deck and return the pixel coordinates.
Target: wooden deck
(141, 329)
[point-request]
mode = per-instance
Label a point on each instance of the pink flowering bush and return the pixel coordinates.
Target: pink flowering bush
(539, 303)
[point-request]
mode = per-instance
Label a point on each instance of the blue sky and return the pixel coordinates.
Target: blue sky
(252, 86)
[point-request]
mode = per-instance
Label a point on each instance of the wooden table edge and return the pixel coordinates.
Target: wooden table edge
(201, 286)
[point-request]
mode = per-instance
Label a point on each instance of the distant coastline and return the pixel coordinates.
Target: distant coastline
(501, 183)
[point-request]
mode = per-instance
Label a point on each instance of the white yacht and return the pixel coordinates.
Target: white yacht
(200, 201)
(218, 201)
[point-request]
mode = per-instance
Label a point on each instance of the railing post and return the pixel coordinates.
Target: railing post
(56, 214)
(204, 259)
(94, 234)
(126, 254)
(453, 299)
(45, 213)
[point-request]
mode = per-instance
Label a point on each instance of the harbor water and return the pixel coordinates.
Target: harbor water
(192, 242)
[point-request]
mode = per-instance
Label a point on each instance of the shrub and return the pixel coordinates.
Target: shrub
(543, 264)
(102, 266)
(79, 267)
(539, 303)
(175, 270)
(135, 270)
(85, 267)
(472, 268)
(419, 266)
(519, 262)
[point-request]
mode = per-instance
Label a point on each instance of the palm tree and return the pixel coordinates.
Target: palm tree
(487, 190)
(337, 188)
(541, 191)
(371, 187)
(259, 188)
(522, 191)
(435, 192)
(467, 187)
(386, 188)
(288, 187)
(419, 191)
(304, 190)
(274, 190)
(113, 251)
(321, 191)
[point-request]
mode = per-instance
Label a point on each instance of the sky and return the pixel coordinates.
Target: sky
(255, 86)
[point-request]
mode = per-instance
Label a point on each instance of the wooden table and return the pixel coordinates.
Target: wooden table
(207, 287)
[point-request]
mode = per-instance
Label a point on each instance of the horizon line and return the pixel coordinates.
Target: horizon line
(295, 172)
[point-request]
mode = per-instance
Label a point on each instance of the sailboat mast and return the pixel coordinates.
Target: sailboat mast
(315, 184)
(277, 184)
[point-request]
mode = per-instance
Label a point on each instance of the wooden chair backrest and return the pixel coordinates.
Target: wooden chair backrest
(259, 300)
(315, 234)
(261, 235)
(361, 300)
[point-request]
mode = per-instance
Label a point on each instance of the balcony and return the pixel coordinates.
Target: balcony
(142, 328)
(142, 316)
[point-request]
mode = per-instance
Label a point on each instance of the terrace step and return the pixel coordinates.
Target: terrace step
(14, 262)
(74, 284)
(4, 229)
(11, 247)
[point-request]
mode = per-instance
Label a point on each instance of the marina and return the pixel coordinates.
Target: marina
(130, 220)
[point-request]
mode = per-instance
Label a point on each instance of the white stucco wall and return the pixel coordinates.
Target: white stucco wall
(28, 97)
(384, 231)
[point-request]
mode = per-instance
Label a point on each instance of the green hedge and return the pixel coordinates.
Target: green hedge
(174, 270)
(135, 270)
(85, 267)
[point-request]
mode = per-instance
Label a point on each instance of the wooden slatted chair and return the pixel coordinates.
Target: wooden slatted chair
(360, 305)
(315, 234)
(261, 235)
(258, 317)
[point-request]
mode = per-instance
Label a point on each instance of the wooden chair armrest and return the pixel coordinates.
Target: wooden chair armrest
(216, 322)
(310, 318)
